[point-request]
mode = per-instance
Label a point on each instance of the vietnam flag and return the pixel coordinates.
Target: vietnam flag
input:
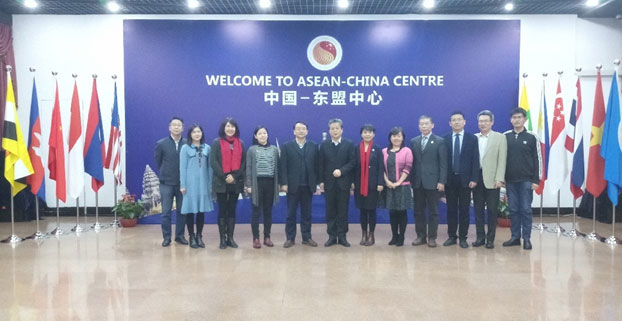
(56, 153)
(596, 164)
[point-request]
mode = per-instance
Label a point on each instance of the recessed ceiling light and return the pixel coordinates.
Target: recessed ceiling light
(428, 4)
(591, 3)
(343, 4)
(193, 4)
(30, 4)
(113, 6)
(265, 4)
(509, 6)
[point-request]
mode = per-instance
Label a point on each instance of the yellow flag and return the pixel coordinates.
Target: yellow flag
(16, 161)
(524, 104)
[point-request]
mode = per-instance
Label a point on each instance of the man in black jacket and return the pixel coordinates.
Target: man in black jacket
(336, 177)
(462, 177)
(522, 176)
(167, 160)
(298, 178)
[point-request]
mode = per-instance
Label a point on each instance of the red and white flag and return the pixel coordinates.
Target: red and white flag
(558, 155)
(75, 168)
(113, 158)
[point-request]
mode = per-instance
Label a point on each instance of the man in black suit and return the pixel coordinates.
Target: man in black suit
(298, 178)
(427, 179)
(336, 166)
(167, 160)
(463, 172)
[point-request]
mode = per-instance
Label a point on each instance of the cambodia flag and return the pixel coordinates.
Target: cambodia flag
(94, 146)
(113, 157)
(37, 179)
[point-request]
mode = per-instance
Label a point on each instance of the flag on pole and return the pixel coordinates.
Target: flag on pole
(574, 143)
(596, 164)
(76, 147)
(610, 148)
(37, 179)
(558, 161)
(16, 160)
(543, 137)
(524, 104)
(56, 153)
(94, 148)
(113, 157)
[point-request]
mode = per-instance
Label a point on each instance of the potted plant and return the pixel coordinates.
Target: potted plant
(129, 209)
(503, 218)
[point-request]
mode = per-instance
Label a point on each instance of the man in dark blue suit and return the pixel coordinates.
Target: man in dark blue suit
(463, 171)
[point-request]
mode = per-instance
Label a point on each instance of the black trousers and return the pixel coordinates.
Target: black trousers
(227, 203)
(485, 200)
(426, 198)
(458, 202)
(200, 222)
(302, 197)
(368, 218)
(398, 220)
(337, 201)
(265, 198)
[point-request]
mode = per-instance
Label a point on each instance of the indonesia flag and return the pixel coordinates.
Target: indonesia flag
(37, 179)
(558, 162)
(56, 153)
(574, 144)
(543, 137)
(75, 170)
(113, 158)
(94, 147)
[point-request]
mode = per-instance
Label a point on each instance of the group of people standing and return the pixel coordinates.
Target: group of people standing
(398, 177)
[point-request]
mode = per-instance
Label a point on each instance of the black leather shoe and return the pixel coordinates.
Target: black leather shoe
(393, 240)
(200, 241)
(418, 241)
(166, 242)
(464, 244)
(181, 240)
(512, 242)
(310, 242)
(331, 241)
(193, 241)
(526, 244)
(450, 241)
(288, 244)
(490, 245)
(400, 240)
(343, 241)
(478, 243)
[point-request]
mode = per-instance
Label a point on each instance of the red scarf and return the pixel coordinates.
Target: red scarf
(365, 167)
(231, 159)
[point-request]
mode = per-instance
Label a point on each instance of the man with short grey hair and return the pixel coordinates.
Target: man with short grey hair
(336, 163)
(492, 154)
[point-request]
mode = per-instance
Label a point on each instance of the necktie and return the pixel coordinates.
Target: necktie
(424, 142)
(456, 158)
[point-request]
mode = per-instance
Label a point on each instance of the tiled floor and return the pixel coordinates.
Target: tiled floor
(125, 274)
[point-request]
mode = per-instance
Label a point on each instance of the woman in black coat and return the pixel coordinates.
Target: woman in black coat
(229, 164)
(368, 182)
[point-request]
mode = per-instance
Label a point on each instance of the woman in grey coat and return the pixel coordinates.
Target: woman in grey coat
(261, 183)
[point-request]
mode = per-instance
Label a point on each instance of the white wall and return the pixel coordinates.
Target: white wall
(94, 44)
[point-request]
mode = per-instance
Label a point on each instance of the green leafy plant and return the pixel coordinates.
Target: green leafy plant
(504, 207)
(128, 207)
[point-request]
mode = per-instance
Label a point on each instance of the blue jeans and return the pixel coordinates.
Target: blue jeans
(167, 192)
(520, 196)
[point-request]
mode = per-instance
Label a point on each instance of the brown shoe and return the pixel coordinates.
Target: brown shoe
(288, 244)
(256, 244)
(432, 243)
(309, 242)
(267, 242)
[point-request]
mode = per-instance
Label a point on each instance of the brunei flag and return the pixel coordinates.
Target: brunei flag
(16, 161)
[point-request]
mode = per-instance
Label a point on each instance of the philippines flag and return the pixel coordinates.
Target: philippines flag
(94, 147)
(37, 179)
(114, 142)
(75, 170)
(558, 161)
(574, 144)
(543, 137)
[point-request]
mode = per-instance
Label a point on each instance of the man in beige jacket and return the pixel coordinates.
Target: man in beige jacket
(492, 154)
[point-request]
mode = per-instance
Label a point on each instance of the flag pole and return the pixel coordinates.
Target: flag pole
(612, 240)
(593, 236)
(573, 233)
(540, 226)
(97, 226)
(86, 222)
(115, 224)
(558, 229)
(13, 239)
(78, 228)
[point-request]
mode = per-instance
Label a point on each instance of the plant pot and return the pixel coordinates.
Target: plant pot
(503, 222)
(129, 222)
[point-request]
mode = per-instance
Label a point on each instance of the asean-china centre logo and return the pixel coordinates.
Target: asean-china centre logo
(324, 53)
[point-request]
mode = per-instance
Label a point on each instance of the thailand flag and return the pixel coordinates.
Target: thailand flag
(574, 144)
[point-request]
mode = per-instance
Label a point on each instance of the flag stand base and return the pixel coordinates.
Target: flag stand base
(13, 239)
